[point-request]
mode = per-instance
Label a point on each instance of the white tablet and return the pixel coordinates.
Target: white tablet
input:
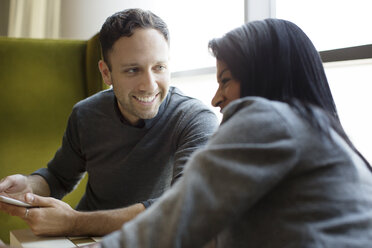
(14, 201)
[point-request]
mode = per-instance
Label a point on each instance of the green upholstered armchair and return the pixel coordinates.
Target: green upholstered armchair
(40, 81)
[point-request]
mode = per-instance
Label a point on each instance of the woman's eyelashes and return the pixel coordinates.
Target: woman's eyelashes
(224, 81)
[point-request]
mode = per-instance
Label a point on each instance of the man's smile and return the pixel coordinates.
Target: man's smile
(146, 99)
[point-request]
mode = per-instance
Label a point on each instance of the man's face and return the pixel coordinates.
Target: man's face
(139, 73)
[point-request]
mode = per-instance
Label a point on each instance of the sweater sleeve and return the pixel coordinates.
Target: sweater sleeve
(250, 153)
(67, 167)
(196, 127)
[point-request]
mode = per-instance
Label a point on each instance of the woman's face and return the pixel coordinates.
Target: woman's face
(228, 88)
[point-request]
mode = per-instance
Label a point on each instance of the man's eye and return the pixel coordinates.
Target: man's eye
(160, 67)
(131, 70)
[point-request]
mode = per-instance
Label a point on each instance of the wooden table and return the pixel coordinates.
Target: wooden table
(26, 239)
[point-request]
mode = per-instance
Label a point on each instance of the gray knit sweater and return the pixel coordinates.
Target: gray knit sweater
(265, 179)
(126, 164)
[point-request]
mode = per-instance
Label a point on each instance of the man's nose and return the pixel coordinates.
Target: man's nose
(148, 82)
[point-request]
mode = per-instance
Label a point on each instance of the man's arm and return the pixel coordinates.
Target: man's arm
(197, 126)
(192, 131)
(39, 185)
(104, 222)
(55, 217)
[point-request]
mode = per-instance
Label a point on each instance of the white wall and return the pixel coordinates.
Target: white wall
(81, 19)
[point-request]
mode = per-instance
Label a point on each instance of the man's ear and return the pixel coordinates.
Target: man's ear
(105, 72)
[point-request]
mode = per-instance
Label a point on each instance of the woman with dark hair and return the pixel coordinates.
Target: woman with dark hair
(275, 59)
(279, 172)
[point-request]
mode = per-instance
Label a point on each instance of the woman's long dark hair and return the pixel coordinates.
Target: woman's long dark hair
(276, 60)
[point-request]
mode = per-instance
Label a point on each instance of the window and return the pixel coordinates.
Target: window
(201, 87)
(335, 24)
(193, 23)
(330, 24)
(351, 85)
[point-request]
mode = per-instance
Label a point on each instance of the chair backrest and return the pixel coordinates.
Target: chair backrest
(40, 81)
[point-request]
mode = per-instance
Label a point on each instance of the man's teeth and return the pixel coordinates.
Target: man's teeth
(146, 99)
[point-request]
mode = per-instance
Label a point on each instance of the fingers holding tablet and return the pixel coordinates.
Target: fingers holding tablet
(14, 201)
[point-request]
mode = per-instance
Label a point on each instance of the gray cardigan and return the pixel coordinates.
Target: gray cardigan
(265, 179)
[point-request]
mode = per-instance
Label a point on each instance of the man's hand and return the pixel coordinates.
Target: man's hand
(15, 186)
(50, 217)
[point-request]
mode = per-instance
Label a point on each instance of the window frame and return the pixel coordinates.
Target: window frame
(347, 53)
(262, 9)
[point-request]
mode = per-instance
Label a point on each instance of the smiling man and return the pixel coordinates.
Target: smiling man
(133, 139)
(137, 69)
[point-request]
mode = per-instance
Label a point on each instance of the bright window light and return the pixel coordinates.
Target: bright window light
(330, 24)
(193, 23)
(351, 85)
(333, 24)
(202, 87)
